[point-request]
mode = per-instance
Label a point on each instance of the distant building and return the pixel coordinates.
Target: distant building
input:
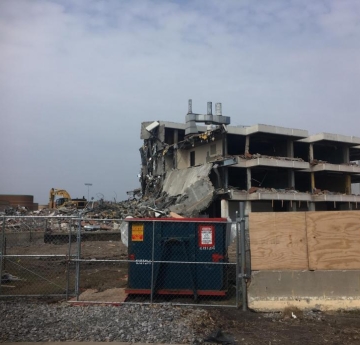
(13, 200)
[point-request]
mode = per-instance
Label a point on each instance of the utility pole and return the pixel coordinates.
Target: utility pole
(88, 185)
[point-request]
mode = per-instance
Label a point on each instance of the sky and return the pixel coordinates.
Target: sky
(77, 78)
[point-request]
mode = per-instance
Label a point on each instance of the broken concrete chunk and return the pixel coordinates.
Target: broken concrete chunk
(194, 187)
(175, 215)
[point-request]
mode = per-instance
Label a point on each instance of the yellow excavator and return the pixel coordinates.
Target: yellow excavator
(64, 200)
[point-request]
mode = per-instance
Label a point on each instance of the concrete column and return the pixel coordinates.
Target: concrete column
(291, 173)
(247, 212)
(226, 178)
(347, 184)
(224, 145)
(248, 178)
(247, 144)
(291, 178)
(292, 205)
(290, 148)
(247, 203)
(311, 206)
(311, 152)
(312, 176)
(346, 155)
(224, 208)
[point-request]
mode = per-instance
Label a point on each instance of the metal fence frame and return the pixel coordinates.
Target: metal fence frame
(67, 257)
(241, 265)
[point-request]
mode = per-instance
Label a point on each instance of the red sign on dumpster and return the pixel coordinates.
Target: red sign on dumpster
(206, 236)
(137, 232)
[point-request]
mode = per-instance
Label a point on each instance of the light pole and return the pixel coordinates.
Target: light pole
(88, 185)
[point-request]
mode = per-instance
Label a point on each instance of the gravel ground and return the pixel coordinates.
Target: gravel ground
(40, 321)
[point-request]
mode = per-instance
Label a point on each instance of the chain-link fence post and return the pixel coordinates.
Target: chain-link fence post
(243, 256)
(78, 256)
(68, 262)
(2, 253)
(237, 279)
(152, 263)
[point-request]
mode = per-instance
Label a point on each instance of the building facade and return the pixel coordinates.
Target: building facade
(269, 168)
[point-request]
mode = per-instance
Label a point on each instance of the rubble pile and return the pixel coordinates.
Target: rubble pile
(271, 190)
(97, 215)
(317, 161)
(258, 155)
(148, 206)
(15, 211)
(23, 224)
(318, 191)
(136, 208)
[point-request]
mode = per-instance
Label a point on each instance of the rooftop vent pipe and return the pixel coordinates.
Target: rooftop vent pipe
(218, 110)
(190, 106)
(209, 108)
(208, 119)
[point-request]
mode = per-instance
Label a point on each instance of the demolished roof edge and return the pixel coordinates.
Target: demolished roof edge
(348, 139)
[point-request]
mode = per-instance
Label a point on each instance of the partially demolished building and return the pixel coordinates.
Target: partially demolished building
(207, 170)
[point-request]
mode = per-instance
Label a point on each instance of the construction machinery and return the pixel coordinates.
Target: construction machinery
(64, 199)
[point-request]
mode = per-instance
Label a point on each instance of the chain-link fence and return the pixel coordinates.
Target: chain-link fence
(181, 261)
(27, 267)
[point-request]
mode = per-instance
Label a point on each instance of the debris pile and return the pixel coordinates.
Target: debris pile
(271, 190)
(136, 208)
(99, 215)
(258, 155)
(15, 211)
(317, 161)
(318, 191)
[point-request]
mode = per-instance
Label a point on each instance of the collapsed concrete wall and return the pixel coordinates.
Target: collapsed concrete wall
(192, 186)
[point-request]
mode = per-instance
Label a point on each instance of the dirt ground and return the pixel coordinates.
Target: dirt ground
(48, 275)
(340, 328)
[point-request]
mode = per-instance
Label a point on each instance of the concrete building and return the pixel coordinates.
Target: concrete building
(269, 168)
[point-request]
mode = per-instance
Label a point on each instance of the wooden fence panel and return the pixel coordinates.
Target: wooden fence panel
(333, 240)
(278, 241)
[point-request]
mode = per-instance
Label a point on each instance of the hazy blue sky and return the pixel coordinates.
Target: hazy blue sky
(78, 77)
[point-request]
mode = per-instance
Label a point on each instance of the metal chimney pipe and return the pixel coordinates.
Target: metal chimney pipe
(190, 106)
(218, 109)
(209, 108)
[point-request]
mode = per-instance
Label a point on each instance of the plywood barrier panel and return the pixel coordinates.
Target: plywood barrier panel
(333, 240)
(278, 241)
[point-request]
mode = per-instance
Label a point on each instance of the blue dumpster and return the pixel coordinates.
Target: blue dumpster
(176, 256)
